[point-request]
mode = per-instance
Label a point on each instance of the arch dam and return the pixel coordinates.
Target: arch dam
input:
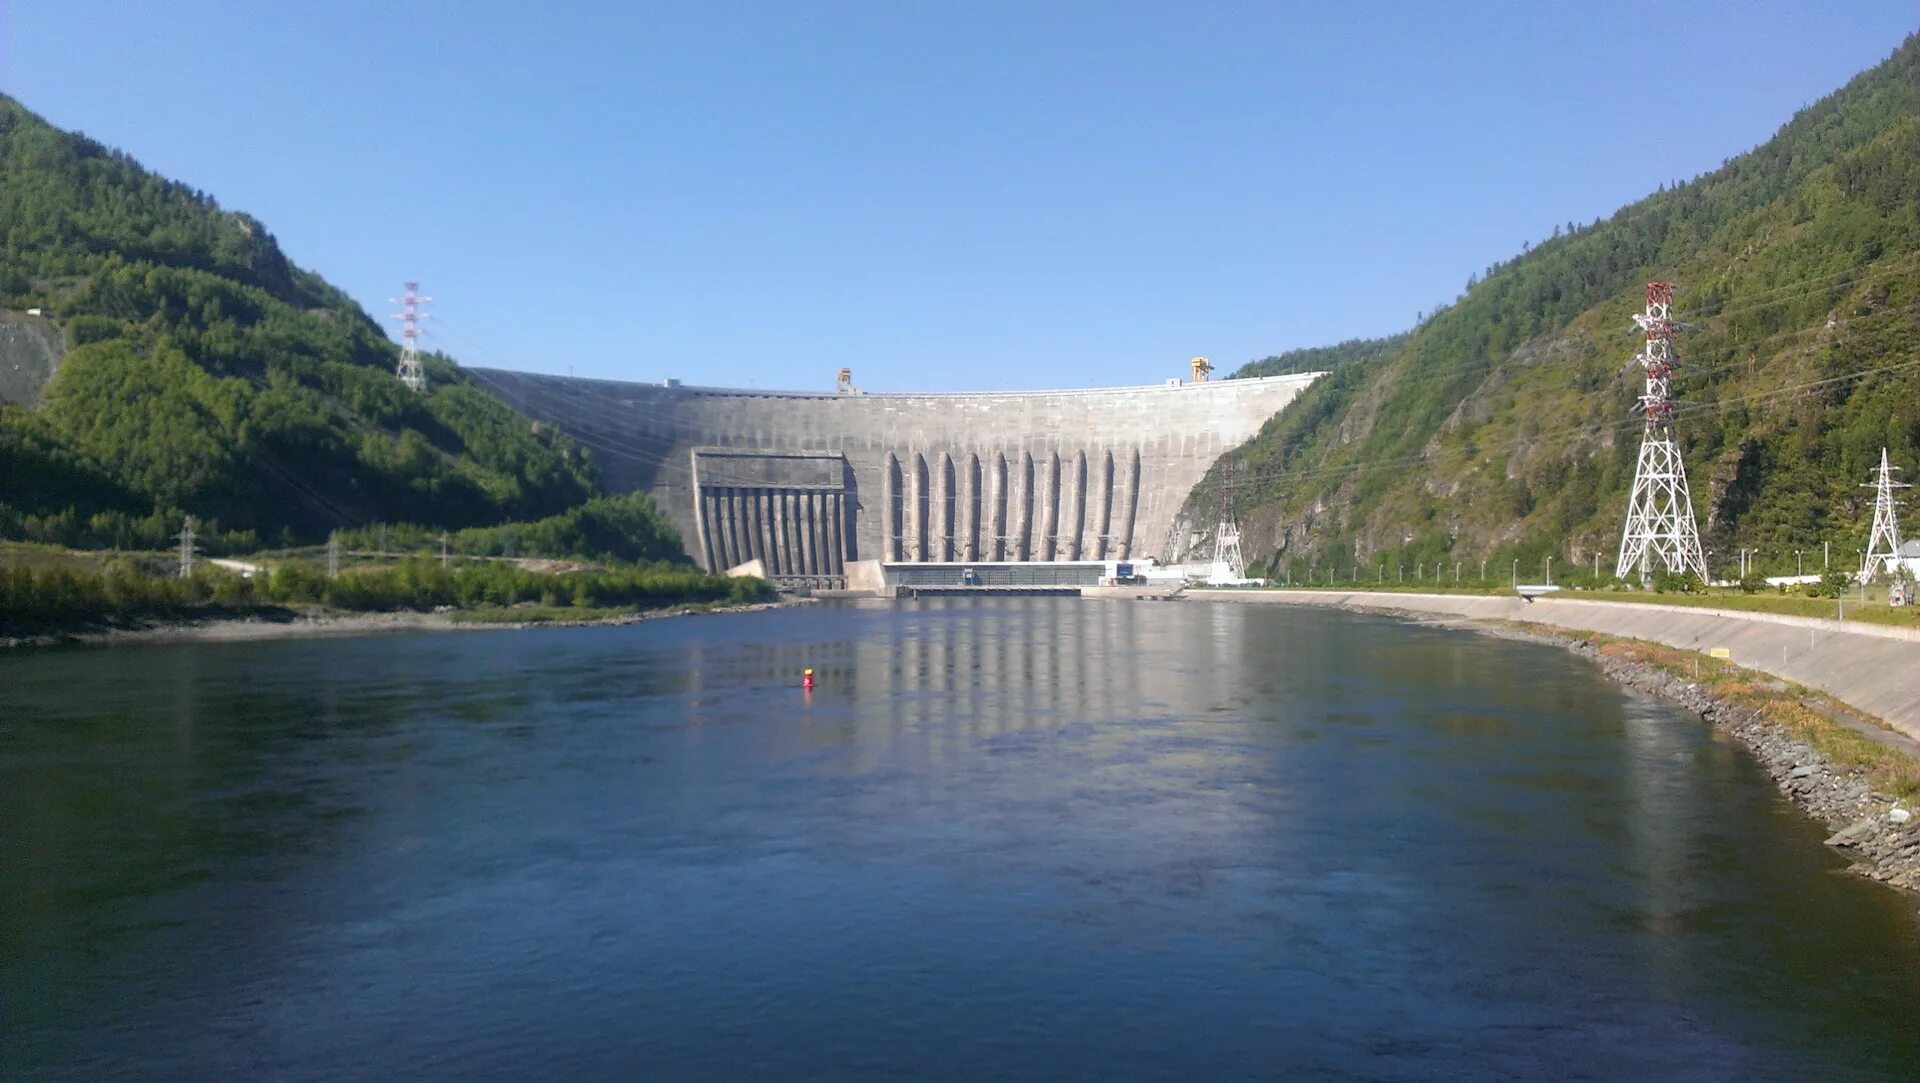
(808, 481)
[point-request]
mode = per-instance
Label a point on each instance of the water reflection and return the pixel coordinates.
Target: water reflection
(1031, 838)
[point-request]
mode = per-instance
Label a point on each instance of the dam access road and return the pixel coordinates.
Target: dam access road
(1873, 668)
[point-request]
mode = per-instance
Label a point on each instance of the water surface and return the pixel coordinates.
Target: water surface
(1031, 838)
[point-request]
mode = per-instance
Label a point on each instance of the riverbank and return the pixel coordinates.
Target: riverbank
(1869, 667)
(1862, 786)
(319, 624)
(1849, 771)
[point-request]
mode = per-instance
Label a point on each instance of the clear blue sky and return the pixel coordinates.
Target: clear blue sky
(943, 196)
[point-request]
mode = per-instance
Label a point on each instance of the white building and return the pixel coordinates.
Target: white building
(1909, 557)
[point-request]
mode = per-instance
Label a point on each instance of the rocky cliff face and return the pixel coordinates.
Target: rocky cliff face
(30, 353)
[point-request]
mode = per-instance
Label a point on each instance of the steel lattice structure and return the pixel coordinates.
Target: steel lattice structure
(1226, 549)
(409, 369)
(1226, 534)
(1660, 528)
(188, 550)
(1883, 547)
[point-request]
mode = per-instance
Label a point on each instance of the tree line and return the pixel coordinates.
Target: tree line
(1499, 426)
(207, 375)
(45, 596)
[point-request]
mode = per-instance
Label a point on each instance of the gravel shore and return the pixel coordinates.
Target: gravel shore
(1879, 834)
(1772, 718)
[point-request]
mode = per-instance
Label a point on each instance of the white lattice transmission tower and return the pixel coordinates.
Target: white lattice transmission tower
(1883, 547)
(1660, 532)
(409, 370)
(1227, 562)
(188, 550)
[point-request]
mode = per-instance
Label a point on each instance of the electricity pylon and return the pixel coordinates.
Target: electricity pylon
(1883, 548)
(1226, 534)
(187, 549)
(409, 370)
(1660, 525)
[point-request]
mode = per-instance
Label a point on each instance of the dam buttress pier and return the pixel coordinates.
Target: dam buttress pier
(806, 482)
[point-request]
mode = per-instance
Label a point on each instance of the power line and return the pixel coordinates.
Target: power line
(653, 457)
(1681, 408)
(1869, 272)
(563, 403)
(1790, 393)
(1454, 372)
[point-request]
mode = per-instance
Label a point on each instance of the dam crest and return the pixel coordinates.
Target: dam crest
(807, 481)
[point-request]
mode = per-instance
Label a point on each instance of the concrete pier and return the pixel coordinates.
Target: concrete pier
(1019, 475)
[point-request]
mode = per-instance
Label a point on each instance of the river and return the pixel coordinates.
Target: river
(1013, 839)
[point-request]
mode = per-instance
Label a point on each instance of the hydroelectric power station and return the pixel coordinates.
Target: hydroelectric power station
(808, 482)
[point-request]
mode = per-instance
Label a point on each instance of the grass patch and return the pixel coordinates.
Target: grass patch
(1873, 611)
(568, 614)
(538, 614)
(1395, 588)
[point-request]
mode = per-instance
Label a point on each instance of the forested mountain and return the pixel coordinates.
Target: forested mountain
(206, 374)
(1498, 428)
(1321, 358)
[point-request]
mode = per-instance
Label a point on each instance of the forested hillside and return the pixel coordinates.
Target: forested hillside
(208, 375)
(1498, 428)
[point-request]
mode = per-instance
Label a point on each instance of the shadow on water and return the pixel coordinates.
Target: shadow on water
(1029, 838)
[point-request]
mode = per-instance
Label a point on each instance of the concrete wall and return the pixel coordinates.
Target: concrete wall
(808, 481)
(1875, 668)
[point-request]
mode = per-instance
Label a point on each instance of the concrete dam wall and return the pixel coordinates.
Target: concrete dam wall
(806, 481)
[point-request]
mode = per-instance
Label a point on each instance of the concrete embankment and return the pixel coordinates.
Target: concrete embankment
(1872, 668)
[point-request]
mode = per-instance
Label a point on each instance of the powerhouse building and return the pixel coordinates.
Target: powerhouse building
(806, 482)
